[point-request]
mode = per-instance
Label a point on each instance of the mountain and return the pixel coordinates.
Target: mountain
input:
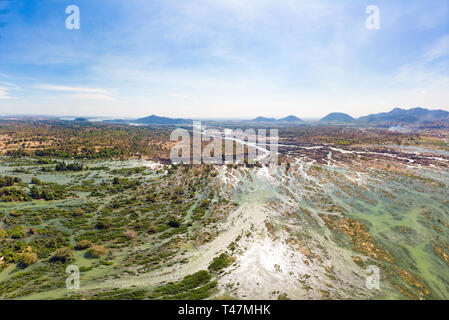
(337, 117)
(410, 116)
(153, 119)
(290, 119)
(263, 119)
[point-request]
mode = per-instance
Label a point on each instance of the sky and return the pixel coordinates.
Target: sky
(222, 58)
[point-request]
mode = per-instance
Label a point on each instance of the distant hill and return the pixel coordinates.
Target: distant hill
(153, 119)
(337, 117)
(81, 120)
(290, 119)
(263, 119)
(409, 116)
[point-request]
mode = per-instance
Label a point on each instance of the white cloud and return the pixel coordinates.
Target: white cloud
(4, 93)
(71, 89)
(6, 88)
(79, 92)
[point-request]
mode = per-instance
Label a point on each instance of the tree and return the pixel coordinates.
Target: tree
(35, 193)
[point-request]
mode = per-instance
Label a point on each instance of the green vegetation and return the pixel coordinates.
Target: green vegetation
(192, 287)
(82, 140)
(83, 244)
(77, 193)
(28, 258)
(220, 262)
(7, 181)
(96, 251)
(62, 255)
(62, 166)
(95, 216)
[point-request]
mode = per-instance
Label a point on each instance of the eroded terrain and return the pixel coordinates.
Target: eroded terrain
(308, 229)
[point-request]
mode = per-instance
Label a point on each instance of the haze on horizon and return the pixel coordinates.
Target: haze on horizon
(222, 58)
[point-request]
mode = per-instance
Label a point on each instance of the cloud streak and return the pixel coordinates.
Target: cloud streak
(87, 96)
(79, 92)
(439, 50)
(4, 93)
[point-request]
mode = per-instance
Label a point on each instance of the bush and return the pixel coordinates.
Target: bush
(62, 166)
(174, 223)
(35, 193)
(17, 232)
(188, 283)
(78, 212)
(7, 181)
(28, 258)
(32, 231)
(103, 224)
(62, 254)
(220, 262)
(196, 279)
(83, 244)
(96, 252)
(13, 195)
(35, 180)
(130, 234)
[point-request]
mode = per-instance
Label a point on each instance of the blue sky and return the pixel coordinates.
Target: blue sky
(222, 58)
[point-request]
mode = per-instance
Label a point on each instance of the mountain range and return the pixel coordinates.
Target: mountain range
(289, 119)
(153, 119)
(414, 115)
(397, 115)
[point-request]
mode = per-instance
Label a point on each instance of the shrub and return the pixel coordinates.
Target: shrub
(35, 193)
(130, 234)
(78, 212)
(83, 244)
(13, 195)
(32, 231)
(220, 262)
(7, 181)
(188, 283)
(17, 232)
(28, 258)
(196, 279)
(35, 180)
(103, 224)
(174, 223)
(96, 252)
(62, 166)
(62, 254)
